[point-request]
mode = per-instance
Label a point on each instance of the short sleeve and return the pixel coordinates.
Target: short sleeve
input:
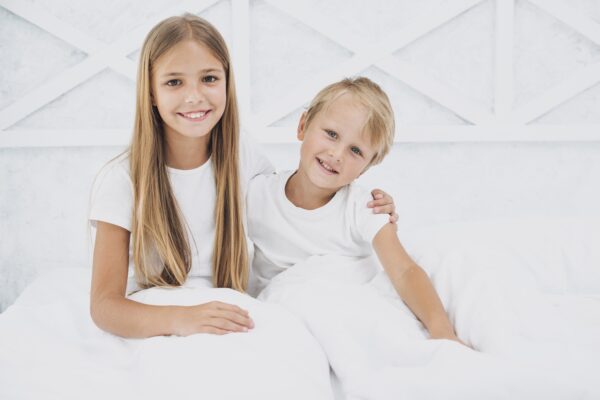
(253, 160)
(366, 223)
(112, 195)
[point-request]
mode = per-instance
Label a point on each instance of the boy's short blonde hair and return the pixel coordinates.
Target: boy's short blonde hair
(380, 119)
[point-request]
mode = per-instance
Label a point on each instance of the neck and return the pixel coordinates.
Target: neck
(303, 194)
(185, 152)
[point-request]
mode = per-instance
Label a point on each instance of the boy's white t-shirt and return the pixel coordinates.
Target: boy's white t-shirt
(285, 235)
(194, 190)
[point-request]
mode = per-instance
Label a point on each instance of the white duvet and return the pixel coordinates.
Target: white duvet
(525, 294)
(50, 349)
(531, 311)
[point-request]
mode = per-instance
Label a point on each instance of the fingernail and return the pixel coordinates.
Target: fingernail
(378, 196)
(375, 209)
(245, 329)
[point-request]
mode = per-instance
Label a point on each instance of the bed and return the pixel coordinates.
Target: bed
(524, 293)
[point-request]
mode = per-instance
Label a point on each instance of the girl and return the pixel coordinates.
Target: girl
(161, 207)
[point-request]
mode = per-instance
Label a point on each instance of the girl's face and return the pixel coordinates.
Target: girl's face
(189, 90)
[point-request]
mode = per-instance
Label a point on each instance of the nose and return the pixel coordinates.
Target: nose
(335, 152)
(194, 94)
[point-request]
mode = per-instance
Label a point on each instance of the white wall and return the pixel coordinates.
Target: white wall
(498, 107)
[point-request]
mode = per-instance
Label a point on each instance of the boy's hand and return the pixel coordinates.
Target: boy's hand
(451, 337)
(383, 203)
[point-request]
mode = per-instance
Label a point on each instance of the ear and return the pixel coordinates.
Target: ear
(301, 125)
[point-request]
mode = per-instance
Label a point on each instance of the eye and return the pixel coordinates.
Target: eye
(210, 79)
(356, 150)
(331, 134)
(173, 82)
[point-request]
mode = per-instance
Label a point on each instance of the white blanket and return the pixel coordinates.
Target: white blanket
(50, 349)
(379, 350)
(525, 293)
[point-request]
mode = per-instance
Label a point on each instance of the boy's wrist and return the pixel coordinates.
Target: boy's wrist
(442, 330)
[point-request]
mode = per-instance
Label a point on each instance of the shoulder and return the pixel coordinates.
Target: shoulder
(358, 195)
(113, 181)
(111, 199)
(114, 172)
(253, 160)
(266, 184)
(365, 223)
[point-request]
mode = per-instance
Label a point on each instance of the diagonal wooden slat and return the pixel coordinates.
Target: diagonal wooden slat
(574, 85)
(439, 91)
(321, 23)
(558, 94)
(51, 24)
(575, 20)
(508, 125)
(48, 91)
(365, 54)
(113, 55)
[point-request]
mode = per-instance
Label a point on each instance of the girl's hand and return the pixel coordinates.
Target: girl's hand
(383, 204)
(214, 317)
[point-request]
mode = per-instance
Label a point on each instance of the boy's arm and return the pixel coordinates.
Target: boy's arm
(412, 284)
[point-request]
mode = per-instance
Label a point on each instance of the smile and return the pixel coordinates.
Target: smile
(195, 116)
(328, 169)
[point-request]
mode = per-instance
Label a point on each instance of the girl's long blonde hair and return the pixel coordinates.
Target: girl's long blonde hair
(161, 250)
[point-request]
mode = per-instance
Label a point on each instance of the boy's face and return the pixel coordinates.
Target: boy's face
(334, 149)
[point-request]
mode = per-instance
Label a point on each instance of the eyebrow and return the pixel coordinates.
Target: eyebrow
(202, 71)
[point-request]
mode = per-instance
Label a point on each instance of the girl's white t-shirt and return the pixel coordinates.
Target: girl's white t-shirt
(194, 190)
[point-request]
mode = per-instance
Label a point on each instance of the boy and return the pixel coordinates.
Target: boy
(316, 210)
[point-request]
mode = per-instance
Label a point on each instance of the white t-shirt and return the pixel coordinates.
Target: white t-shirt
(284, 234)
(195, 193)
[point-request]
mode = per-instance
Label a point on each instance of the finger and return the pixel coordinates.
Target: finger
(381, 202)
(237, 318)
(225, 324)
(388, 209)
(377, 193)
(213, 330)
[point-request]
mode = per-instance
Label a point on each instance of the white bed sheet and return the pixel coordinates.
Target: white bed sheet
(524, 292)
(50, 348)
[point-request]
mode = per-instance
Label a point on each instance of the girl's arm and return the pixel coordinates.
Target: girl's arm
(412, 284)
(113, 312)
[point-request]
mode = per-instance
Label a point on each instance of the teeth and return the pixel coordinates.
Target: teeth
(326, 166)
(195, 115)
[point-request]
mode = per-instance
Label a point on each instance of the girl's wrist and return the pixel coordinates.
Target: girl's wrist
(175, 314)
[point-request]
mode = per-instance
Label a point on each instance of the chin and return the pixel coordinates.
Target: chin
(325, 184)
(195, 135)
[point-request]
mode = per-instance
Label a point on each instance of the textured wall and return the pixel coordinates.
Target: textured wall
(442, 81)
